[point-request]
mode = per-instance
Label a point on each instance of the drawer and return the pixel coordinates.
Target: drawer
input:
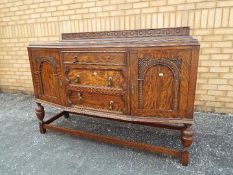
(95, 77)
(95, 57)
(111, 103)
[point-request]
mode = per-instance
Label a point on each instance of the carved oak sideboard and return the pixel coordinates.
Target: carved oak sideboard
(144, 77)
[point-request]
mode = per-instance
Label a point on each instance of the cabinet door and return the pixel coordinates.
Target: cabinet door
(46, 74)
(160, 81)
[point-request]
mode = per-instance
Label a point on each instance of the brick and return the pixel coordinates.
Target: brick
(222, 44)
(95, 9)
(102, 14)
(204, 18)
(116, 13)
(158, 3)
(225, 3)
(227, 50)
(218, 17)
(220, 57)
(191, 17)
(216, 92)
(210, 50)
(202, 81)
(132, 11)
(197, 22)
(211, 18)
(125, 6)
(231, 18)
(217, 81)
(160, 20)
(223, 30)
(225, 87)
(225, 17)
(149, 10)
(203, 32)
(140, 4)
(166, 8)
(110, 8)
(205, 5)
(88, 4)
(203, 69)
(102, 3)
(170, 2)
(212, 38)
(209, 75)
(215, 104)
(224, 99)
(227, 63)
(185, 6)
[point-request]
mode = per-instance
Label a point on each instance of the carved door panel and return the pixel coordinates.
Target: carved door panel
(46, 76)
(160, 80)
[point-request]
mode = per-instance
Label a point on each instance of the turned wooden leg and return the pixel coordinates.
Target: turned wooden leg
(40, 115)
(66, 114)
(187, 136)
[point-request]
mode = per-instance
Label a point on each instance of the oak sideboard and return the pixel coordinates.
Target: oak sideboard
(145, 77)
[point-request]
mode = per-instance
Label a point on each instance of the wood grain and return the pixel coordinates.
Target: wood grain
(98, 101)
(94, 57)
(158, 90)
(96, 77)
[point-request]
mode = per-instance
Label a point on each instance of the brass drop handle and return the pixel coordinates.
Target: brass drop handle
(75, 59)
(77, 80)
(110, 105)
(79, 96)
(110, 83)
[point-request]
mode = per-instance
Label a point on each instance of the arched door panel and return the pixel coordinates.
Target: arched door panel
(158, 89)
(160, 82)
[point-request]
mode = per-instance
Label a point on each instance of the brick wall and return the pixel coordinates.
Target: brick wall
(211, 21)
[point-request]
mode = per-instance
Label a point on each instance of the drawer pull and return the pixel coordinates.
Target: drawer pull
(161, 74)
(79, 96)
(110, 105)
(77, 80)
(110, 83)
(108, 57)
(75, 59)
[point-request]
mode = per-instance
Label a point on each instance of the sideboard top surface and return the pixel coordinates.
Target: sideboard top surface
(125, 38)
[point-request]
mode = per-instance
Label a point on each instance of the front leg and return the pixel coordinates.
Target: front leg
(187, 135)
(40, 113)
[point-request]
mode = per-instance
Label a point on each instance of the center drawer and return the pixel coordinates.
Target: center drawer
(95, 77)
(95, 57)
(109, 102)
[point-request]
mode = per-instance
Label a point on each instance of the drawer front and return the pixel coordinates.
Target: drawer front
(95, 77)
(95, 57)
(99, 101)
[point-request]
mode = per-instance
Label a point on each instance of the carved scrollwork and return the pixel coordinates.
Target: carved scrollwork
(98, 90)
(146, 63)
(128, 33)
(50, 60)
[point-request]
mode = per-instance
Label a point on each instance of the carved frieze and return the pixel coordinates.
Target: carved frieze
(179, 31)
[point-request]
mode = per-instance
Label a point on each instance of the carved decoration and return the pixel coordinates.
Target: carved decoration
(145, 63)
(98, 90)
(50, 60)
(128, 33)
